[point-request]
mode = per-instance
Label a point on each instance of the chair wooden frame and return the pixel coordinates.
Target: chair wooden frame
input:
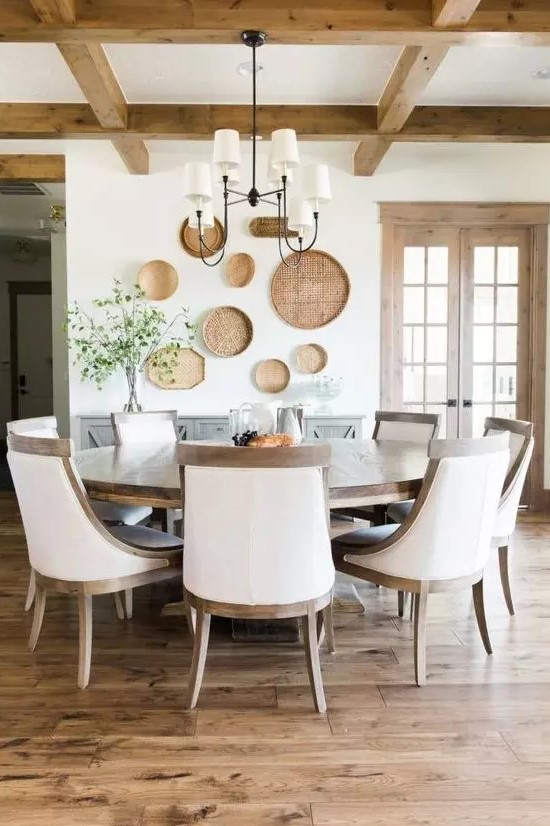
(524, 429)
(152, 416)
(419, 588)
(408, 418)
(315, 614)
(169, 560)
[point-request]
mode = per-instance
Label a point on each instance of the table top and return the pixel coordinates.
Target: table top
(362, 472)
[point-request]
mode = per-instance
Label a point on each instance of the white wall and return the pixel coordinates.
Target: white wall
(116, 222)
(10, 270)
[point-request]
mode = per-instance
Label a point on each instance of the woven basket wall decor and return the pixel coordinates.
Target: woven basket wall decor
(311, 358)
(267, 228)
(272, 376)
(179, 369)
(189, 238)
(240, 269)
(313, 294)
(227, 331)
(158, 280)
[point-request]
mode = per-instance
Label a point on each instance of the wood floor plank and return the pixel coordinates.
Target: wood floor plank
(469, 748)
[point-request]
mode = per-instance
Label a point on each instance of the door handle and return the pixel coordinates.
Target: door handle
(466, 403)
(451, 402)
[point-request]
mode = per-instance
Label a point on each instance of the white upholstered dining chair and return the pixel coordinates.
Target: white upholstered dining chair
(78, 554)
(154, 426)
(396, 426)
(45, 427)
(267, 553)
(436, 548)
(521, 451)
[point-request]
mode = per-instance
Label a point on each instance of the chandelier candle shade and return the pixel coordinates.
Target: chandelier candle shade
(300, 215)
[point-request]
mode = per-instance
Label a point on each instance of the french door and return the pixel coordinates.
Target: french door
(461, 299)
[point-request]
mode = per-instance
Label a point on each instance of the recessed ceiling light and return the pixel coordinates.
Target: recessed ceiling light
(541, 74)
(246, 69)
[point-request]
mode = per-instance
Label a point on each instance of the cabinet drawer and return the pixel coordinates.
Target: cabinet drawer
(186, 429)
(214, 429)
(97, 434)
(333, 429)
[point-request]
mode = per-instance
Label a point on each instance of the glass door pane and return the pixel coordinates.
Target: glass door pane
(494, 276)
(429, 275)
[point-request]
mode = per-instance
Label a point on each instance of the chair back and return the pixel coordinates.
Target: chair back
(65, 540)
(448, 532)
(44, 427)
(256, 523)
(521, 451)
(155, 426)
(406, 427)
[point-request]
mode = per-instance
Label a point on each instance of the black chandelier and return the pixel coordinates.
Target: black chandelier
(296, 217)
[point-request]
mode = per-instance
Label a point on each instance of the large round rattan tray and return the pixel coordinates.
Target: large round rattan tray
(189, 238)
(179, 369)
(311, 358)
(272, 376)
(314, 293)
(240, 269)
(227, 331)
(158, 280)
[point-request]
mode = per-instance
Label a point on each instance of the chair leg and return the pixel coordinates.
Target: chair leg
(505, 578)
(200, 647)
(39, 606)
(411, 611)
(118, 605)
(84, 639)
(31, 591)
(170, 520)
(400, 603)
(420, 611)
(479, 606)
(129, 602)
(328, 625)
(309, 628)
(190, 615)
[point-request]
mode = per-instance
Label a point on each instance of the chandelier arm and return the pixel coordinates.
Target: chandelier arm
(309, 246)
(203, 245)
(271, 192)
(267, 201)
(202, 242)
(236, 192)
(239, 201)
(283, 259)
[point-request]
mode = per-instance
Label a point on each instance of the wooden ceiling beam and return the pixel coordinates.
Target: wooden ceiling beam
(453, 12)
(403, 23)
(92, 71)
(412, 73)
(467, 124)
(48, 169)
(368, 155)
(55, 11)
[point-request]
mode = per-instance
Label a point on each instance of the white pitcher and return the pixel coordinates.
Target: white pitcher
(289, 421)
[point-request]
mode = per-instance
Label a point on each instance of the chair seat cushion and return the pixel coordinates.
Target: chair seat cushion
(127, 514)
(362, 538)
(398, 511)
(148, 539)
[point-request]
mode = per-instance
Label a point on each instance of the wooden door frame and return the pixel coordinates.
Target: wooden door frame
(16, 288)
(535, 216)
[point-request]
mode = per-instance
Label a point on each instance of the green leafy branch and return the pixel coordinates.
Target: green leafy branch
(126, 334)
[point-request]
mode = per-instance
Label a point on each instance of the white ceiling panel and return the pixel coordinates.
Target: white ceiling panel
(36, 73)
(493, 76)
(291, 74)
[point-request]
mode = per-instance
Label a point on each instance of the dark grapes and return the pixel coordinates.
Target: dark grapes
(242, 439)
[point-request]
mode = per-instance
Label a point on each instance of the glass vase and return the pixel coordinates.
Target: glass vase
(132, 405)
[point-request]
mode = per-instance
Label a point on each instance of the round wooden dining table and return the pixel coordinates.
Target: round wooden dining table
(362, 472)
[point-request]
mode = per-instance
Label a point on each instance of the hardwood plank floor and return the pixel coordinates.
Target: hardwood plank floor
(471, 748)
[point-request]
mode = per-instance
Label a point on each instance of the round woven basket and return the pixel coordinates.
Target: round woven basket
(240, 269)
(185, 368)
(272, 376)
(158, 280)
(311, 358)
(227, 331)
(189, 238)
(313, 294)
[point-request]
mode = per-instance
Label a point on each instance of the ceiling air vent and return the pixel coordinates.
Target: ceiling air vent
(20, 188)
